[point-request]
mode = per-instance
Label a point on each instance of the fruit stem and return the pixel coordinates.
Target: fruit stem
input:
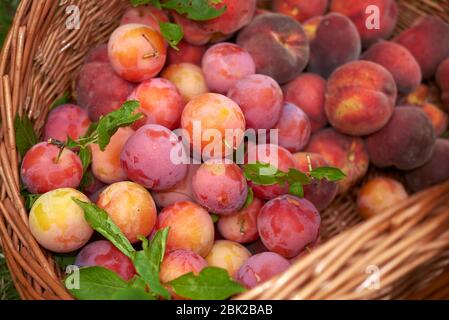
(155, 53)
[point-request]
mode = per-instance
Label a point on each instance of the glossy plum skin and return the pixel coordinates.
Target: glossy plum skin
(137, 52)
(187, 53)
(276, 156)
(220, 187)
(57, 222)
(260, 99)
(378, 194)
(427, 41)
(66, 120)
(147, 15)
(191, 227)
(335, 43)
(42, 171)
(100, 90)
(320, 192)
(130, 207)
(341, 151)
(399, 61)
(106, 165)
(356, 10)
(404, 149)
(241, 227)
(278, 45)
(97, 54)
(182, 191)
(188, 78)
(294, 128)
(179, 262)
(435, 171)
(104, 254)
(216, 112)
(224, 64)
(308, 92)
(260, 268)
(361, 97)
(288, 224)
(228, 255)
(149, 145)
(301, 10)
(160, 103)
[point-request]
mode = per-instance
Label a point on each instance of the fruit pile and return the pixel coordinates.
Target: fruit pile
(151, 182)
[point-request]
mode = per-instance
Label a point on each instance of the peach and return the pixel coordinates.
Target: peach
(137, 52)
(100, 90)
(427, 41)
(228, 255)
(301, 10)
(341, 151)
(57, 222)
(278, 45)
(378, 194)
(106, 165)
(442, 78)
(406, 142)
(361, 97)
(160, 103)
(438, 117)
(131, 208)
(308, 92)
(191, 227)
(311, 26)
(433, 172)
(357, 11)
(335, 43)
(294, 128)
(399, 61)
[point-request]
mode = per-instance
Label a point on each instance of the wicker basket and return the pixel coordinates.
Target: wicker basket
(401, 254)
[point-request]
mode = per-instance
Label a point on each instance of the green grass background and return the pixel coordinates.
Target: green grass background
(7, 8)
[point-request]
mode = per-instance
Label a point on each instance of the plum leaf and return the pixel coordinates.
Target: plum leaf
(172, 32)
(198, 10)
(25, 135)
(211, 284)
(329, 173)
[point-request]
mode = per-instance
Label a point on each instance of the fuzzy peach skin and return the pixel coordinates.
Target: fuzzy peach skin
(427, 40)
(399, 61)
(228, 255)
(106, 165)
(45, 168)
(356, 10)
(361, 97)
(57, 222)
(301, 10)
(137, 52)
(188, 78)
(308, 92)
(442, 78)
(438, 117)
(278, 45)
(378, 194)
(130, 207)
(213, 111)
(335, 43)
(341, 151)
(406, 142)
(182, 191)
(241, 226)
(220, 187)
(160, 103)
(191, 227)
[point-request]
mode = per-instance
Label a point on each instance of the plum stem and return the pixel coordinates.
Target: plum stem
(155, 53)
(309, 162)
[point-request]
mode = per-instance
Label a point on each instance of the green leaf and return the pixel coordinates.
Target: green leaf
(211, 284)
(30, 198)
(249, 198)
(298, 176)
(86, 181)
(65, 98)
(148, 261)
(329, 173)
(64, 260)
(25, 135)
(86, 157)
(109, 124)
(297, 189)
(100, 221)
(155, 3)
(132, 294)
(172, 32)
(198, 10)
(214, 218)
(254, 173)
